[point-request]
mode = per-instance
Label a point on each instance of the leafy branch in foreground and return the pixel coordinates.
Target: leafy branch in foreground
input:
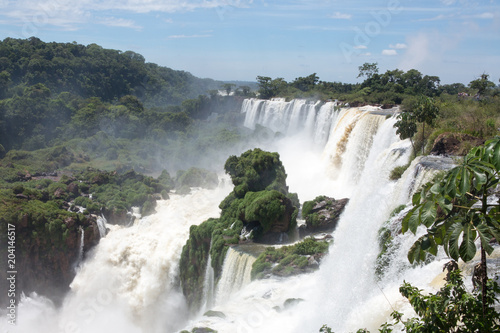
(450, 310)
(458, 209)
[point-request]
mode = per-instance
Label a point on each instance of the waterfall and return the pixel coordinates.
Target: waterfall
(101, 224)
(80, 248)
(292, 117)
(208, 285)
(359, 152)
(235, 274)
(130, 281)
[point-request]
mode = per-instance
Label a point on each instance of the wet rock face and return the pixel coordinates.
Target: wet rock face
(48, 261)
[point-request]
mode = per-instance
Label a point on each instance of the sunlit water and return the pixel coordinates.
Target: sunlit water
(129, 283)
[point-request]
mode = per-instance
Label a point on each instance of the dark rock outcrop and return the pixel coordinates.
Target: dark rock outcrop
(47, 253)
(455, 144)
(321, 214)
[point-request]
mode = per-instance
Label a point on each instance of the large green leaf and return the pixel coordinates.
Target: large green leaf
(479, 178)
(494, 226)
(436, 188)
(492, 151)
(428, 244)
(464, 183)
(454, 237)
(450, 182)
(414, 220)
(428, 214)
(416, 198)
(405, 222)
(495, 158)
(416, 253)
(485, 235)
(468, 249)
(445, 206)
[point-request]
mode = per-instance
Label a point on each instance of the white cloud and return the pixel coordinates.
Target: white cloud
(119, 22)
(187, 36)
(440, 17)
(360, 47)
(367, 54)
(69, 14)
(389, 52)
(418, 51)
(485, 16)
(340, 16)
(398, 46)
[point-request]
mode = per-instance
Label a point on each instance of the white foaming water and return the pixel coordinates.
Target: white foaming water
(129, 283)
(209, 285)
(235, 274)
(101, 224)
(82, 244)
(361, 150)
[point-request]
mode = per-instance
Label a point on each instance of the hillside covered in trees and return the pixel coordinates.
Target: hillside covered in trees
(103, 103)
(92, 71)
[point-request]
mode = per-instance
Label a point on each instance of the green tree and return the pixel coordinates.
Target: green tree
(4, 83)
(306, 83)
(406, 127)
(269, 88)
(456, 210)
(228, 87)
(482, 84)
(424, 111)
(244, 91)
(368, 70)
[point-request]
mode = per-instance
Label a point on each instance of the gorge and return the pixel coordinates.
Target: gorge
(130, 281)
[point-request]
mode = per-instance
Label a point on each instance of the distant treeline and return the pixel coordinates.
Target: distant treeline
(391, 87)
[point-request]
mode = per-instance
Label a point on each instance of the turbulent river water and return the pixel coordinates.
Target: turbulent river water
(128, 283)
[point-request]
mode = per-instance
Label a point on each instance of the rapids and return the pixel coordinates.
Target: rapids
(129, 283)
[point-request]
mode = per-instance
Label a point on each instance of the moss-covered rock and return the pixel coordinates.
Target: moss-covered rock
(212, 313)
(47, 243)
(197, 177)
(259, 203)
(256, 170)
(322, 214)
(200, 330)
(295, 259)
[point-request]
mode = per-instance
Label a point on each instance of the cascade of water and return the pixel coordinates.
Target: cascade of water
(80, 249)
(208, 285)
(325, 119)
(290, 117)
(101, 224)
(368, 149)
(130, 283)
(235, 274)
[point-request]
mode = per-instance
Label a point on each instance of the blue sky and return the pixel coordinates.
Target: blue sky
(457, 40)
